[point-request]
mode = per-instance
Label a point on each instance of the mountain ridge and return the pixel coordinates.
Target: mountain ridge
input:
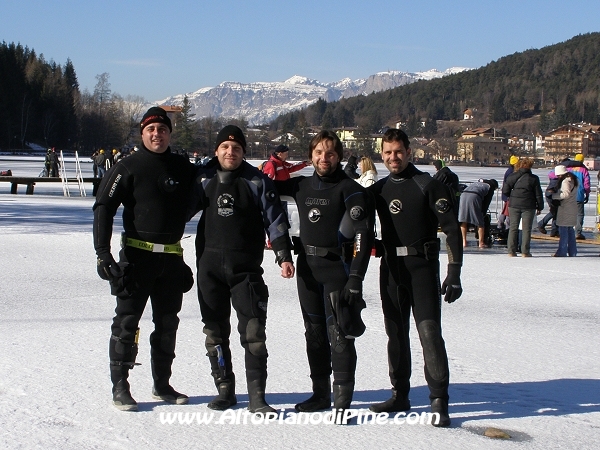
(260, 102)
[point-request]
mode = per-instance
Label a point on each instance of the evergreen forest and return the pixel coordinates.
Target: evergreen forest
(559, 83)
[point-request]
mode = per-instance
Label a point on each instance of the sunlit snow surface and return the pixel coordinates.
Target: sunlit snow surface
(522, 343)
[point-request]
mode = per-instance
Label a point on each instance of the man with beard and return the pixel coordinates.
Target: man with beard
(239, 204)
(336, 233)
(410, 205)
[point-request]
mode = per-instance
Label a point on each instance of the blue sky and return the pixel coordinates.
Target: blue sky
(155, 49)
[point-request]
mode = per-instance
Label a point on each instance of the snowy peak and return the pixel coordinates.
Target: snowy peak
(260, 102)
(297, 79)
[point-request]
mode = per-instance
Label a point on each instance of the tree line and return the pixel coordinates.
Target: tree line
(41, 102)
(560, 83)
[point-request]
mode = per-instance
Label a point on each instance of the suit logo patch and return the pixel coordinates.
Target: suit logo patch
(225, 205)
(357, 213)
(395, 206)
(314, 215)
(442, 205)
(316, 201)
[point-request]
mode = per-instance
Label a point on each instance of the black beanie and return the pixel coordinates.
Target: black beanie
(231, 133)
(155, 114)
(438, 163)
(281, 148)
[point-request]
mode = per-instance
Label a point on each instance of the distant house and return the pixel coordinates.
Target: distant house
(478, 132)
(482, 149)
(354, 143)
(522, 145)
(568, 140)
(468, 114)
(346, 135)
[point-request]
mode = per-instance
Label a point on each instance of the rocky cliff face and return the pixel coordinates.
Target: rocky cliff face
(261, 102)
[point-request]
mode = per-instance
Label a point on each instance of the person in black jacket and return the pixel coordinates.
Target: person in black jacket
(239, 204)
(351, 167)
(445, 175)
(336, 233)
(410, 205)
(525, 202)
(153, 185)
(449, 178)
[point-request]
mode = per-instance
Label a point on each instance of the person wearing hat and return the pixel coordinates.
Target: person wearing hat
(277, 167)
(410, 205)
(100, 162)
(336, 234)
(503, 218)
(577, 168)
(153, 185)
(239, 204)
(566, 216)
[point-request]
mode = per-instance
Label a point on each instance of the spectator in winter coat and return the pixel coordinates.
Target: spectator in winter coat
(368, 175)
(450, 179)
(54, 163)
(526, 201)
(100, 162)
(503, 219)
(567, 215)
(578, 169)
(550, 189)
(445, 175)
(350, 167)
(277, 167)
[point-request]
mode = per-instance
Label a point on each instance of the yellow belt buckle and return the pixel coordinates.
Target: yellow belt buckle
(158, 248)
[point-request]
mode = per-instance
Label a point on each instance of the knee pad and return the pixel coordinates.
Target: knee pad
(315, 334)
(251, 296)
(434, 351)
(169, 322)
(165, 335)
(255, 336)
(216, 334)
(122, 352)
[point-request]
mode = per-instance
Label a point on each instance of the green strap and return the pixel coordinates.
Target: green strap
(155, 248)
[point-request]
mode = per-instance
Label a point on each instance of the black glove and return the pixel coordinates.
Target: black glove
(379, 248)
(587, 198)
(353, 290)
(451, 288)
(188, 278)
(107, 267)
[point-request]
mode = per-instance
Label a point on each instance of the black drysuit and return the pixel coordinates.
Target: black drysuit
(154, 189)
(334, 212)
(237, 208)
(410, 205)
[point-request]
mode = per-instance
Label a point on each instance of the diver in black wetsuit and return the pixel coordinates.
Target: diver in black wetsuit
(410, 205)
(336, 230)
(239, 205)
(153, 185)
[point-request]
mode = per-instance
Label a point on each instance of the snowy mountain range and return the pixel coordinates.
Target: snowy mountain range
(261, 102)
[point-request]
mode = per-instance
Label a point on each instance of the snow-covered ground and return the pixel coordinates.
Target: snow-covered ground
(523, 343)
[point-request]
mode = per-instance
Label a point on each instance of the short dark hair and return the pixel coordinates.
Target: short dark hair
(396, 135)
(326, 135)
(282, 148)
